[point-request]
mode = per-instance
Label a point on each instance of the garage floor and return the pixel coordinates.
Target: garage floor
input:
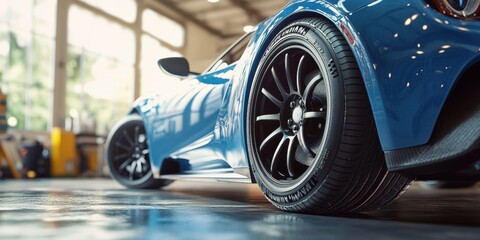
(102, 209)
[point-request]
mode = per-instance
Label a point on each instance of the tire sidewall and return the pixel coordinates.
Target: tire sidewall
(319, 48)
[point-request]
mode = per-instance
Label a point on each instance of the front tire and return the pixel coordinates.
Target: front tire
(311, 136)
(128, 155)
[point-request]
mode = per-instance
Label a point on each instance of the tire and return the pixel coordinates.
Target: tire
(311, 137)
(447, 184)
(128, 156)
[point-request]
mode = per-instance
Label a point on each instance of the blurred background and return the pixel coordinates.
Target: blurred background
(69, 69)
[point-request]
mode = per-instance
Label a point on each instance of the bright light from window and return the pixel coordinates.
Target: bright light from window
(20, 17)
(73, 113)
(163, 28)
(100, 68)
(213, 1)
(153, 79)
(45, 18)
(98, 35)
(248, 28)
(4, 47)
(12, 122)
(124, 9)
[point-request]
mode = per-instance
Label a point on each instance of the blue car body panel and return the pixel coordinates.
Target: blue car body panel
(409, 56)
(415, 54)
(176, 118)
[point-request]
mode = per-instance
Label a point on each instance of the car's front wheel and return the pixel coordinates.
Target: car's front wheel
(128, 155)
(311, 136)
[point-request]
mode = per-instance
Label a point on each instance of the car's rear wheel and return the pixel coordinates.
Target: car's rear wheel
(311, 137)
(128, 155)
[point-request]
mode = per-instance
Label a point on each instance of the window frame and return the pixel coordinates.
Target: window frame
(219, 61)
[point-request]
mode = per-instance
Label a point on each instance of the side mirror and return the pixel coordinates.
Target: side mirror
(176, 66)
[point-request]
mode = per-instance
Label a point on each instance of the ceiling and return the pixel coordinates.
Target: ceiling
(225, 18)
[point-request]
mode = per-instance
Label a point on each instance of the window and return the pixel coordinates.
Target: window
(232, 54)
(152, 77)
(163, 28)
(123, 9)
(158, 33)
(99, 68)
(101, 59)
(27, 40)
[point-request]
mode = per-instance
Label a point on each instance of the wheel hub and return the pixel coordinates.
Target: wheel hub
(137, 153)
(294, 114)
(297, 115)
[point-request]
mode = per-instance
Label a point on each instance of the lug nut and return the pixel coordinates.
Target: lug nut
(302, 104)
(295, 127)
(300, 123)
(292, 104)
(290, 122)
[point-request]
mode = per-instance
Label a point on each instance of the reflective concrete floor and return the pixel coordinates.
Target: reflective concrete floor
(102, 209)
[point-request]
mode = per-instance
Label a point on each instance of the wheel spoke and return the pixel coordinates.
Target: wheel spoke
(121, 156)
(287, 73)
(311, 85)
(144, 164)
(139, 165)
(125, 164)
(270, 137)
(278, 83)
(132, 170)
(303, 143)
(269, 117)
(273, 99)
(142, 160)
(137, 129)
(299, 77)
(118, 144)
(315, 115)
(129, 139)
(277, 154)
(291, 155)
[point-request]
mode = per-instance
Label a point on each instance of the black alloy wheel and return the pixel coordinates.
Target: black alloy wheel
(128, 155)
(290, 114)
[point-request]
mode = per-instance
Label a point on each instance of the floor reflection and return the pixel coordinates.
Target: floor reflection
(101, 209)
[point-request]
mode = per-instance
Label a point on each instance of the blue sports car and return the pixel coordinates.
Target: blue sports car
(330, 106)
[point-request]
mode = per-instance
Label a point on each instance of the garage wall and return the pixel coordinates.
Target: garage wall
(201, 48)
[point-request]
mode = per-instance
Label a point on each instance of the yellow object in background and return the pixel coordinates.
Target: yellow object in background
(31, 174)
(64, 157)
